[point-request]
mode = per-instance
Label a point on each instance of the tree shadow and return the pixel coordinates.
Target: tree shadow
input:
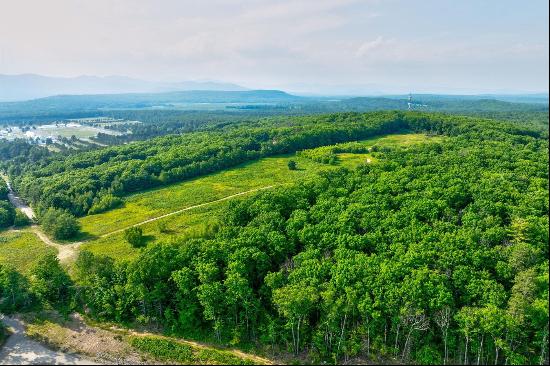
(148, 239)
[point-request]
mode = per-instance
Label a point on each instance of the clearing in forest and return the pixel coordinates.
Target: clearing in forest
(105, 229)
(21, 248)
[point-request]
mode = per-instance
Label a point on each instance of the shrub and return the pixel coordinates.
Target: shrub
(7, 214)
(292, 165)
(49, 281)
(104, 203)
(169, 350)
(3, 190)
(163, 228)
(134, 236)
(60, 224)
(163, 349)
(21, 219)
(14, 294)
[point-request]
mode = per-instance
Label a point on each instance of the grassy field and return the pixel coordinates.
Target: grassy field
(153, 203)
(148, 204)
(20, 249)
(193, 223)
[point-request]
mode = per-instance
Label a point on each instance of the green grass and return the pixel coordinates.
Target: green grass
(193, 223)
(148, 204)
(153, 203)
(20, 249)
(169, 350)
(352, 154)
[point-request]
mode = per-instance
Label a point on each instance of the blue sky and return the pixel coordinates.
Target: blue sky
(316, 46)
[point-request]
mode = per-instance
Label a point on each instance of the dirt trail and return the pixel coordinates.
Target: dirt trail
(67, 252)
(256, 359)
(21, 350)
(17, 201)
(187, 209)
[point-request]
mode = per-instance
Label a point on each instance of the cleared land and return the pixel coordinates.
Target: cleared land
(149, 204)
(103, 233)
(21, 248)
(105, 230)
(112, 345)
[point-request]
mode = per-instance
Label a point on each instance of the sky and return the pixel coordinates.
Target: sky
(307, 46)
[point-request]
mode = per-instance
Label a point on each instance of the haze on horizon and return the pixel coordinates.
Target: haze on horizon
(308, 46)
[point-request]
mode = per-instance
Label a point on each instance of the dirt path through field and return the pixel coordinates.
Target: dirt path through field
(187, 209)
(256, 359)
(67, 252)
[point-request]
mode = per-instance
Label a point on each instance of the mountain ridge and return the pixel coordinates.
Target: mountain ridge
(23, 87)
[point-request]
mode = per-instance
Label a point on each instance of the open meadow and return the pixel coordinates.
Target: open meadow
(20, 249)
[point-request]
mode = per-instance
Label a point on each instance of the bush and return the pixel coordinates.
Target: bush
(7, 214)
(3, 190)
(4, 334)
(169, 350)
(163, 228)
(60, 224)
(49, 281)
(104, 203)
(292, 165)
(14, 294)
(134, 236)
(21, 219)
(163, 349)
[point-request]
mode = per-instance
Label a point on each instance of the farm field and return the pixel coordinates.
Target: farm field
(265, 172)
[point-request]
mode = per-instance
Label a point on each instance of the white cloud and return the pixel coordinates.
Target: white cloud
(367, 47)
(267, 43)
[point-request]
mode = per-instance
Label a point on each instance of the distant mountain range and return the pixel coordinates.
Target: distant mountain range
(64, 106)
(87, 96)
(32, 86)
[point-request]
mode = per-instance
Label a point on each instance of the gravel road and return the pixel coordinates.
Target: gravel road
(21, 350)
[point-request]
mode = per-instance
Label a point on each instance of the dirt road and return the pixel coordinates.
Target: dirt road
(21, 350)
(65, 252)
(17, 201)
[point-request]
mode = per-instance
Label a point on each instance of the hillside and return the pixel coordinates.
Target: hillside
(209, 104)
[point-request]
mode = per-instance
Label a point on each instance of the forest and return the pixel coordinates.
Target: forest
(248, 104)
(435, 254)
(80, 181)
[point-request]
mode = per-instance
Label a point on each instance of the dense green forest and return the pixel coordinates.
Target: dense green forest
(79, 182)
(437, 253)
(7, 211)
(249, 104)
(76, 106)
